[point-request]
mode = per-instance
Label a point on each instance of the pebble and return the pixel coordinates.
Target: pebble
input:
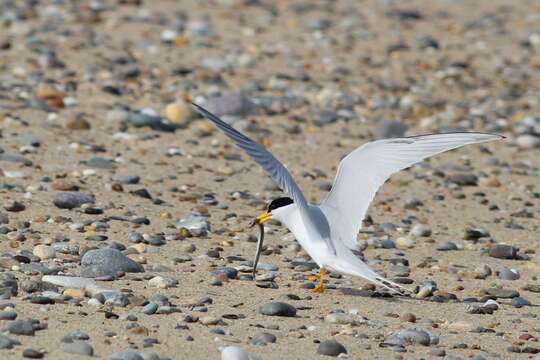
(503, 252)
(263, 338)
(71, 200)
(32, 354)
(518, 302)
(8, 315)
(79, 348)
(409, 337)
(331, 348)
(107, 262)
(161, 282)
(237, 353)
(126, 355)
(21, 327)
(447, 246)
(44, 252)
(196, 224)
(14, 206)
(150, 308)
(508, 274)
(7, 342)
(528, 141)
(502, 293)
(179, 112)
(421, 230)
(278, 309)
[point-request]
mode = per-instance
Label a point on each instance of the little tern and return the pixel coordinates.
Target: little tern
(328, 231)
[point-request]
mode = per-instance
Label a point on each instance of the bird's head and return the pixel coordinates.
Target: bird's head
(271, 209)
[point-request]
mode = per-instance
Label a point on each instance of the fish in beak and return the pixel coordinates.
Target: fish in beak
(260, 220)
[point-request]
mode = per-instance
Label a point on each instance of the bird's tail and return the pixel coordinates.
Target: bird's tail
(360, 269)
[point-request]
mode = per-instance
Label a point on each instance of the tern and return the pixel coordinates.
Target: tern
(328, 231)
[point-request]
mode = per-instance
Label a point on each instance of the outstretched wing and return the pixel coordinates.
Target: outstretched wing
(364, 170)
(269, 163)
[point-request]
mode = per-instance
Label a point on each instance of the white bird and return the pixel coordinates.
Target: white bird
(328, 231)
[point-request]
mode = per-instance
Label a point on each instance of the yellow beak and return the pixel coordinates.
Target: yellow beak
(264, 217)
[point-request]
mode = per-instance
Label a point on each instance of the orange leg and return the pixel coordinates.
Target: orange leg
(320, 288)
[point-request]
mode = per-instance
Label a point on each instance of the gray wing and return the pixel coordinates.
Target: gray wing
(269, 163)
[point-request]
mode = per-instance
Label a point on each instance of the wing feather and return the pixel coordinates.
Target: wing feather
(364, 170)
(271, 165)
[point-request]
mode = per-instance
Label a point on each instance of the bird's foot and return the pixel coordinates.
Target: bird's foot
(319, 289)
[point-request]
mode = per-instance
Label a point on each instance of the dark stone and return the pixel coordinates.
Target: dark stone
(278, 309)
(331, 348)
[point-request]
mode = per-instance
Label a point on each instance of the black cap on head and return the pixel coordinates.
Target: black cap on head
(279, 202)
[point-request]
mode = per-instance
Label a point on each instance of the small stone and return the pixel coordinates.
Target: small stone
(75, 293)
(14, 206)
(44, 252)
(263, 339)
(7, 342)
(528, 141)
(126, 355)
(196, 224)
(408, 317)
(502, 293)
(278, 309)
(463, 179)
(508, 274)
(21, 327)
(150, 308)
(231, 273)
(107, 262)
(237, 353)
(8, 315)
(79, 347)
(408, 337)
(179, 112)
(331, 348)
(340, 318)
(209, 320)
(32, 354)
(421, 230)
(77, 122)
(71, 200)
(161, 282)
(503, 252)
(404, 242)
(519, 302)
(447, 246)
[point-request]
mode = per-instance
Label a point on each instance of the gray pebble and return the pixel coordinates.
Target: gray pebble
(331, 348)
(107, 262)
(21, 327)
(73, 199)
(503, 252)
(79, 347)
(447, 246)
(421, 230)
(508, 274)
(126, 355)
(7, 342)
(408, 337)
(518, 302)
(8, 315)
(150, 308)
(278, 309)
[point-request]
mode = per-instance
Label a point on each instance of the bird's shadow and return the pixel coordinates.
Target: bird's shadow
(386, 296)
